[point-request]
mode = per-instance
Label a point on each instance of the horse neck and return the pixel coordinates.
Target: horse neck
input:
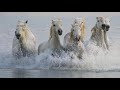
(105, 39)
(54, 38)
(102, 36)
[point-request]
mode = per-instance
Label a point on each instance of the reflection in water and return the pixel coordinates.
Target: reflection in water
(20, 73)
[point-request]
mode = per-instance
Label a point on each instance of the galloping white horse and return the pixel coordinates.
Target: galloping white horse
(54, 42)
(73, 41)
(99, 32)
(24, 42)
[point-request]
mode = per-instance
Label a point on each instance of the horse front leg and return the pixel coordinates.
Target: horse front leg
(106, 40)
(23, 52)
(102, 40)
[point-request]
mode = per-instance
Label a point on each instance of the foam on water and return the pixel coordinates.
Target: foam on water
(102, 61)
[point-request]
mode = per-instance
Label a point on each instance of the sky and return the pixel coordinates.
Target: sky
(43, 19)
(59, 14)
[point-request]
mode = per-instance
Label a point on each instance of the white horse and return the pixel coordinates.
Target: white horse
(73, 41)
(54, 42)
(99, 32)
(24, 42)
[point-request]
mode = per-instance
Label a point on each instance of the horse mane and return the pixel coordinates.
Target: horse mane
(51, 32)
(71, 36)
(25, 34)
(83, 30)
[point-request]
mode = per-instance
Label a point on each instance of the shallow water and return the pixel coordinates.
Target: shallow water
(104, 64)
(23, 73)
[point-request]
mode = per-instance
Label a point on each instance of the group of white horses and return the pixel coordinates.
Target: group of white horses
(24, 42)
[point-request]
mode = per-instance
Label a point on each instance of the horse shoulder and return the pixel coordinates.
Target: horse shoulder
(34, 40)
(42, 47)
(93, 30)
(67, 39)
(32, 37)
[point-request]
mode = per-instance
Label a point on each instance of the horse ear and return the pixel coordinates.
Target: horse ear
(26, 21)
(99, 18)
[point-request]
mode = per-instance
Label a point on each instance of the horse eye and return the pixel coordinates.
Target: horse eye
(54, 25)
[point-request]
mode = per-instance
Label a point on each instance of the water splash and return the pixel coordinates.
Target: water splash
(102, 61)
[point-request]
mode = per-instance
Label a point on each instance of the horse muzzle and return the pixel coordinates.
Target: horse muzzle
(17, 35)
(60, 32)
(77, 39)
(105, 27)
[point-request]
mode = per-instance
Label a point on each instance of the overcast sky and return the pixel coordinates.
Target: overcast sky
(43, 19)
(60, 13)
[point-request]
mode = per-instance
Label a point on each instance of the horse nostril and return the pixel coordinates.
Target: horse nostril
(103, 26)
(107, 27)
(18, 36)
(60, 32)
(79, 39)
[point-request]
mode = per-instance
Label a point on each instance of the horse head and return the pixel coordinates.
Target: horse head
(57, 26)
(103, 23)
(20, 29)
